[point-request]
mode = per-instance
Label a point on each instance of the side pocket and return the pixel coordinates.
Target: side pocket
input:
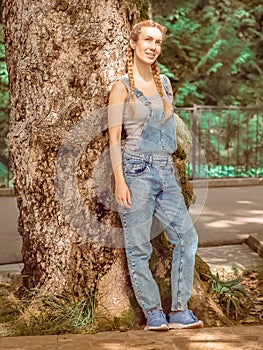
(135, 167)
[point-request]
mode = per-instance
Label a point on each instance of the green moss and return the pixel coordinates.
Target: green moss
(179, 158)
(127, 321)
(143, 8)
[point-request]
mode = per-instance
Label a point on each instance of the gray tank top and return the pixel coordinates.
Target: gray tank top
(133, 125)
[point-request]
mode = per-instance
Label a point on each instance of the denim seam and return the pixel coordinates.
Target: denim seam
(180, 279)
(181, 242)
(131, 264)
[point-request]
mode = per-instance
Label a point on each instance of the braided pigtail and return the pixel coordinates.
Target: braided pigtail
(159, 86)
(136, 30)
(131, 79)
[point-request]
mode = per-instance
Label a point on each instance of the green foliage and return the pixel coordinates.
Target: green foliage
(4, 94)
(187, 89)
(214, 52)
(230, 294)
(165, 71)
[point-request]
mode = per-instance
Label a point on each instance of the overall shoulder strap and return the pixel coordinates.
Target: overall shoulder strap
(165, 82)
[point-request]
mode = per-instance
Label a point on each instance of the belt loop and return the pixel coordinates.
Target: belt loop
(150, 159)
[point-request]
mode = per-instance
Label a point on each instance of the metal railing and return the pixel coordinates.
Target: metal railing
(228, 141)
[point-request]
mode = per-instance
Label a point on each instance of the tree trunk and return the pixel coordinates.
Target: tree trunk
(62, 59)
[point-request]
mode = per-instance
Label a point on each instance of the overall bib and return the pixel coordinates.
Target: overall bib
(149, 174)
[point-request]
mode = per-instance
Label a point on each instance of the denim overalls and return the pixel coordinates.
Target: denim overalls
(149, 174)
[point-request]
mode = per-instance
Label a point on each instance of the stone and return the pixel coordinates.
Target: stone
(255, 242)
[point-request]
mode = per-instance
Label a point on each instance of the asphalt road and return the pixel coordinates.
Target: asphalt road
(11, 242)
(230, 214)
(221, 215)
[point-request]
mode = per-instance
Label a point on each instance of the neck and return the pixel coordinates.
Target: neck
(142, 70)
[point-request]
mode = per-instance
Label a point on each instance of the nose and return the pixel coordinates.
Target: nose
(153, 46)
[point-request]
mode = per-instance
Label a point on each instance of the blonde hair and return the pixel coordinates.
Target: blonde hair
(136, 31)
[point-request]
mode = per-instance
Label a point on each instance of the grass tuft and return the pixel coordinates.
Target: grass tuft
(44, 313)
(231, 295)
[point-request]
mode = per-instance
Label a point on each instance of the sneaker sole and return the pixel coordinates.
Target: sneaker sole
(163, 327)
(198, 324)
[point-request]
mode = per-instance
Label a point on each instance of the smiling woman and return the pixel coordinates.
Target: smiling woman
(148, 47)
(145, 183)
(145, 47)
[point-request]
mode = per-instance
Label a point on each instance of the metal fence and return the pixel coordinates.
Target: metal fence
(228, 141)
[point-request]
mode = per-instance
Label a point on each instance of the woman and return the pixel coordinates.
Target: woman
(145, 182)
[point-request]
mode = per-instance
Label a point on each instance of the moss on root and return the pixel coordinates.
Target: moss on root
(179, 158)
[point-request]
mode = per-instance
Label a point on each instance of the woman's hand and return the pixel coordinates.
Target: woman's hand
(122, 194)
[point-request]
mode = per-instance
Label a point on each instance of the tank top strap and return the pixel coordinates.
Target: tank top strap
(138, 94)
(164, 80)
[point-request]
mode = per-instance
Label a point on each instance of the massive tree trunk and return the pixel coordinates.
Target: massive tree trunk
(62, 58)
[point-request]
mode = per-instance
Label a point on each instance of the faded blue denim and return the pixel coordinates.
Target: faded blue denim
(149, 174)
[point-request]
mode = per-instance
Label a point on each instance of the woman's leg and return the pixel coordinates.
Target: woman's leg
(137, 222)
(172, 212)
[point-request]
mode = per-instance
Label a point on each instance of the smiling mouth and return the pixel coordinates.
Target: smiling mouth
(150, 55)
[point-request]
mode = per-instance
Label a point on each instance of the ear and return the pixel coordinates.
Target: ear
(132, 44)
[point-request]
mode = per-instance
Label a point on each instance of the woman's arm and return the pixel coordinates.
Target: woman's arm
(118, 96)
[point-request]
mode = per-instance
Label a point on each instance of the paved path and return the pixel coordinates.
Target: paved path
(227, 338)
(230, 260)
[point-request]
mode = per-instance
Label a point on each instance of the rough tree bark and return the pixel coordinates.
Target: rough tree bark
(62, 58)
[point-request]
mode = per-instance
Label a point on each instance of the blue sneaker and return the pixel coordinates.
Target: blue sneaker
(184, 319)
(156, 321)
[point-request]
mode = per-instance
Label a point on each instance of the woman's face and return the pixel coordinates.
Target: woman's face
(148, 47)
